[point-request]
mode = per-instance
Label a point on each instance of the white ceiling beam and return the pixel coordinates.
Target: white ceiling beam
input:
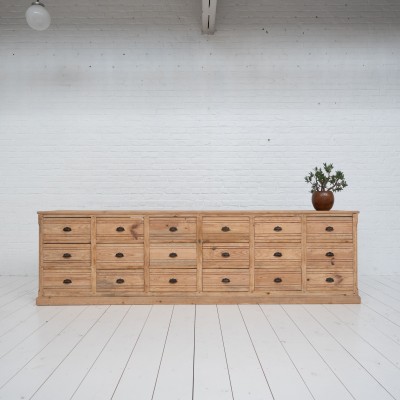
(208, 16)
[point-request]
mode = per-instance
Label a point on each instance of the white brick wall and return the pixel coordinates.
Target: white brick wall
(125, 105)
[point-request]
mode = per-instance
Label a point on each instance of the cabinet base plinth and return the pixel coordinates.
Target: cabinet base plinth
(203, 299)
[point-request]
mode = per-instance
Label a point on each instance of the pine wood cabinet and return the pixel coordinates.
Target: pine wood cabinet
(197, 257)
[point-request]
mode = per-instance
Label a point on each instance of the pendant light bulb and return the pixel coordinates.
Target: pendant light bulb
(37, 17)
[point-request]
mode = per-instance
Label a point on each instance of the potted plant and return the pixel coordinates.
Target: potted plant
(324, 181)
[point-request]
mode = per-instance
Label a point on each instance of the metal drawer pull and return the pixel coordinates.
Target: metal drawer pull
(67, 229)
(329, 228)
(278, 254)
(119, 255)
(173, 229)
(225, 280)
(120, 281)
(67, 255)
(225, 229)
(120, 229)
(329, 280)
(173, 280)
(278, 280)
(67, 281)
(173, 255)
(329, 254)
(225, 254)
(277, 228)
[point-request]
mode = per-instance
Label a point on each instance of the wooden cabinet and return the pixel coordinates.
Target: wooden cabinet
(197, 257)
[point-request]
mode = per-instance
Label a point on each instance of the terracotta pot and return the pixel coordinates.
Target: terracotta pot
(323, 201)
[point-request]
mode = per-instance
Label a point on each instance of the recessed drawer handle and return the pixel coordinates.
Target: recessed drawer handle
(278, 280)
(225, 280)
(67, 281)
(329, 280)
(173, 229)
(120, 229)
(173, 280)
(67, 255)
(225, 229)
(329, 254)
(67, 229)
(329, 228)
(119, 255)
(278, 228)
(120, 281)
(173, 255)
(277, 254)
(225, 254)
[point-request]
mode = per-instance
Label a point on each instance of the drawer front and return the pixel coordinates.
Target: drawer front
(173, 280)
(121, 280)
(226, 255)
(277, 226)
(129, 255)
(119, 230)
(226, 280)
(216, 229)
(265, 280)
(66, 280)
(173, 254)
(277, 255)
(66, 253)
(329, 252)
(66, 230)
(320, 229)
(277, 229)
(175, 228)
(330, 281)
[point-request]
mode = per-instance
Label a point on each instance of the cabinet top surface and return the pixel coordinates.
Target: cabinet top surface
(192, 212)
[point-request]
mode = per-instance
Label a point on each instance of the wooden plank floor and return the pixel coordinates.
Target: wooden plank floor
(209, 352)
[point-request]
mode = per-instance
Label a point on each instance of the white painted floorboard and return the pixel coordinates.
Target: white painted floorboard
(211, 375)
(247, 376)
(207, 352)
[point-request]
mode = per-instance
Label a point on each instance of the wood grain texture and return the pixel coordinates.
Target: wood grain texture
(120, 280)
(66, 230)
(197, 257)
(277, 280)
(118, 255)
(173, 255)
(120, 230)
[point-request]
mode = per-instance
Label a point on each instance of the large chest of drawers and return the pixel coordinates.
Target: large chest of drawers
(197, 257)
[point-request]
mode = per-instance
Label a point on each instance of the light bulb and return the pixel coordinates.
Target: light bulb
(37, 17)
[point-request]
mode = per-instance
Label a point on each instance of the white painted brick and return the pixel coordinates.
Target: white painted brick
(125, 105)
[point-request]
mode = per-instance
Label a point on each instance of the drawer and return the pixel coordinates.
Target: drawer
(321, 229)
(119, 230)
(229, 229)
(226, 255)
(276, 256)
(277, 229)
(330, 255)
(268, 280)
(330, 281)
(66, 280)
(174, 228)
(226, 280)
(330, 251)
(173, 254)
(120, 280)
(66, 254)
(117, 255)
(66, 230)
(173, 280)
